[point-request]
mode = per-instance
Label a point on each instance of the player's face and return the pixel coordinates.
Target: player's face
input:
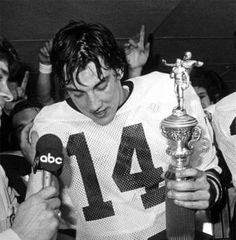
(204, 97)
(97, 98)
(5, 94)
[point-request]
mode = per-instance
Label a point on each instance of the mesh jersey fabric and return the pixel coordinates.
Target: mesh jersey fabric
(224, 125)
(112, 185)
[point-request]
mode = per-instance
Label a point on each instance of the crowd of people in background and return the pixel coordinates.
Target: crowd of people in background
(92, 94)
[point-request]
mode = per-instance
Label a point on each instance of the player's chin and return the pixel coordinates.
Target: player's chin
(103, 120)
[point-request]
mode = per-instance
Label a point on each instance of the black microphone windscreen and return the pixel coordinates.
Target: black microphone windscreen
(49, 151)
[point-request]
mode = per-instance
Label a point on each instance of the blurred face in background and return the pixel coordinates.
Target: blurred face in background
(23, 118)
(203, 95)
(5, 93)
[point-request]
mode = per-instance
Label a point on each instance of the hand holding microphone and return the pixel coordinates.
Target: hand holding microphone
(49, 158)
(38, 216)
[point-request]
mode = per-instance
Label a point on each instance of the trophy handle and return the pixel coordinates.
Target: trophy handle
(196, 134)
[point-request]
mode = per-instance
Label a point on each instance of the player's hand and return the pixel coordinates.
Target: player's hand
(28, 143)
(136, 52)
(193, 193)
(37, 217)
(44, 53)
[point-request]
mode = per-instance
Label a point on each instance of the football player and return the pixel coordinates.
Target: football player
(112, 185)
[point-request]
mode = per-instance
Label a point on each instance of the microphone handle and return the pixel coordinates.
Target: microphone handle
(47, 179)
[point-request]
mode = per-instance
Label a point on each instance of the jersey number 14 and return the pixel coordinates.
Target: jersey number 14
(133, 138)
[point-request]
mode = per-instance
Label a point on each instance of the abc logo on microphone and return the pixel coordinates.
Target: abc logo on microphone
(50, 159)
(49, 152)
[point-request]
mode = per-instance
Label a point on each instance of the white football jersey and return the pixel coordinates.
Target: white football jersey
(224, 125)
(112, 184)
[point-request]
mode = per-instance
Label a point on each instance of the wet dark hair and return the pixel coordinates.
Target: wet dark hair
(79, 43)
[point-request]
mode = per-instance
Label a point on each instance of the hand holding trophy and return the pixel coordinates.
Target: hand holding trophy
(182, 131)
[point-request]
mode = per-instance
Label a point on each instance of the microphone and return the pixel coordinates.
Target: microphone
(49, 157)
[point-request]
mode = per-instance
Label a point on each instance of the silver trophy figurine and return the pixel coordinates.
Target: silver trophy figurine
(182, 131)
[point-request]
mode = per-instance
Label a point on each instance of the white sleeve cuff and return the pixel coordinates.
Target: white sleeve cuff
(45, 68)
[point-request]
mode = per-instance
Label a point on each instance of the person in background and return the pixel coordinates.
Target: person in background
(16, 167)
(115, 153)
(22, 114)
(224, 124)
(36, 217)
(136, 53)
(209, 87)
(17, 84)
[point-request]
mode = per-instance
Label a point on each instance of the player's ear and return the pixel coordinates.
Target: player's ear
(119, 73)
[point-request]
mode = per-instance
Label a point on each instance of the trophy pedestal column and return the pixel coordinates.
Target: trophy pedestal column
(180, 221)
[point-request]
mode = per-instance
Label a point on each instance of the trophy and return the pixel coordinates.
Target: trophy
(182, 131)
